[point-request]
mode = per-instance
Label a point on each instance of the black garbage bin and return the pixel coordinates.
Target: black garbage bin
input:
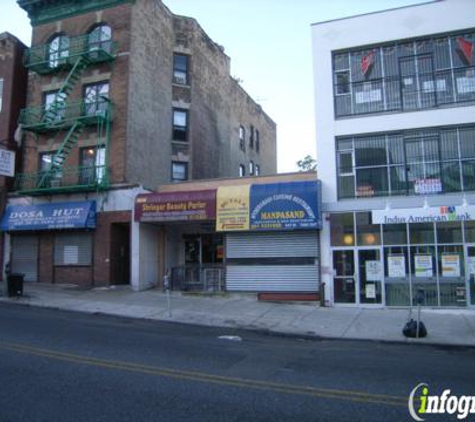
(15, 284)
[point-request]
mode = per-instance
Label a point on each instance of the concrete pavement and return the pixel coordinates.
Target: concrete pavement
(454, 327)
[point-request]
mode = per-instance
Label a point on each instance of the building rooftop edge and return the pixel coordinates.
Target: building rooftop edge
(376, 12)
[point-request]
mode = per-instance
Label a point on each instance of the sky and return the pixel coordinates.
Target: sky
(269, 43)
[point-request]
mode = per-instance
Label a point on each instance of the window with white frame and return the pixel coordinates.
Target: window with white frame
(92, 165)
(96, 98)
(180, 69)
(180, 125)
(179, 171)
(251, 168)
(257, 170)
(242, 170)
(54, 107)
(58, 50)
(100, 38)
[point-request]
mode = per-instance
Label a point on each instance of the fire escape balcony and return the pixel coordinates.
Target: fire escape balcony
(61, 115)
(67, 180)
(46, 58)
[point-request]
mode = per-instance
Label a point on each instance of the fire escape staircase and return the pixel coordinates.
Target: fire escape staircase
(57, 117)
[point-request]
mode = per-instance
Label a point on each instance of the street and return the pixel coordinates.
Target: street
(66, 366)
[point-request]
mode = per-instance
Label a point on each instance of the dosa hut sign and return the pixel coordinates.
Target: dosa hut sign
(176, 206)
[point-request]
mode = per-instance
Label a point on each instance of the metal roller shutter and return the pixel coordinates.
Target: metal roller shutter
(272, 245)
(268, 277)
(25, 256)
(73, 249)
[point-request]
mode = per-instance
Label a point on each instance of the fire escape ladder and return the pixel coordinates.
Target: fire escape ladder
(61, 155)
(54, 112)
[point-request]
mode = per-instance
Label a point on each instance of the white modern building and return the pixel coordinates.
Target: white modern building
(395, 124)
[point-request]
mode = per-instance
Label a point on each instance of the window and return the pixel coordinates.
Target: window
(58, 50)
(92, 165)
(179, 171)
(54, 107)
(251, 168)
(419, 162)
(100, 38)
(242, 170)
(242, 137)
(180, 125)
(251, 137)
(48, 176)
(404, 76)
(1, 93)
(257, 170)
(73, 249)
(258, 141)
(180, 69)
(96, 99)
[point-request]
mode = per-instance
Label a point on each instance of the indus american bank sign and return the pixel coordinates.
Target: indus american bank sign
(424, 215)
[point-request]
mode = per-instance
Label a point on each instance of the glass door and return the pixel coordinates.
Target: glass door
(370, 276)
(470, 273)
(344, 290)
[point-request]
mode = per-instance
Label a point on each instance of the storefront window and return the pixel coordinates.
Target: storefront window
(367, 234)
(342, 229)
(449, 232)
(451, 276)
(424, 274)
(395, 234)
(396, 272)
(421, 233)
(469, 231)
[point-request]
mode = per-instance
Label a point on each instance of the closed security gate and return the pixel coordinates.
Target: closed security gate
(272, 262)
(25, 256)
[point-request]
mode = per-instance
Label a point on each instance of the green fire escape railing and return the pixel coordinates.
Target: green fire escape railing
(44, 59)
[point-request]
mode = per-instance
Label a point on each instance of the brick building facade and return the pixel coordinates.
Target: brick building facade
(124, 96)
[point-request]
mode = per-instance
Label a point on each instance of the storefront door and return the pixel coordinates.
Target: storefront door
(470, 273)
(370, 276)
(344, 280)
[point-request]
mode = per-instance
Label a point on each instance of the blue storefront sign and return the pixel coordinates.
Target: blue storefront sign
(63, 215)
(285, 206)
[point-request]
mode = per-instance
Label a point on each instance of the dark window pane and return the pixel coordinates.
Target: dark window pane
(449, 232)
(421, 233)
(394, 234)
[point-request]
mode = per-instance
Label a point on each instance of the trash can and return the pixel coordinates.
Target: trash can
(15, 284)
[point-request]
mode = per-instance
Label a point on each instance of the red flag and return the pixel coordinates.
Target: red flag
(366, 62)
(466, 47)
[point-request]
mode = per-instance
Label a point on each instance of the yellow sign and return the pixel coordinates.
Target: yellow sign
(232, 208)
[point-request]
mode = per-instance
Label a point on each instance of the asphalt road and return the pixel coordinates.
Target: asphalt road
(64, 366)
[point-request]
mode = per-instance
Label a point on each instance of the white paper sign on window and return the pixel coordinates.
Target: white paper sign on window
(373, 270)
(428, 86)
(396, 266)
(423, 265)
(450, 265)
(370, 291)
(368, 96)
(471, 265)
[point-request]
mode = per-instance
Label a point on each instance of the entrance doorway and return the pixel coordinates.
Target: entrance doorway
(120, 253)
(470, 273)
(358, 276)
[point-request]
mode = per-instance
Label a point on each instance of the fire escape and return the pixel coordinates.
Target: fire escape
(59, 124)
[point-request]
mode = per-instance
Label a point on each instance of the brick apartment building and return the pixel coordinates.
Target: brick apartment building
(122, 96)
(12, 99)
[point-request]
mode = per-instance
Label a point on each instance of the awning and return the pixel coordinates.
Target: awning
(176, 206)
(61, 215)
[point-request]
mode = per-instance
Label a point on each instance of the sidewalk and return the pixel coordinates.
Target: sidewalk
(444, 326)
